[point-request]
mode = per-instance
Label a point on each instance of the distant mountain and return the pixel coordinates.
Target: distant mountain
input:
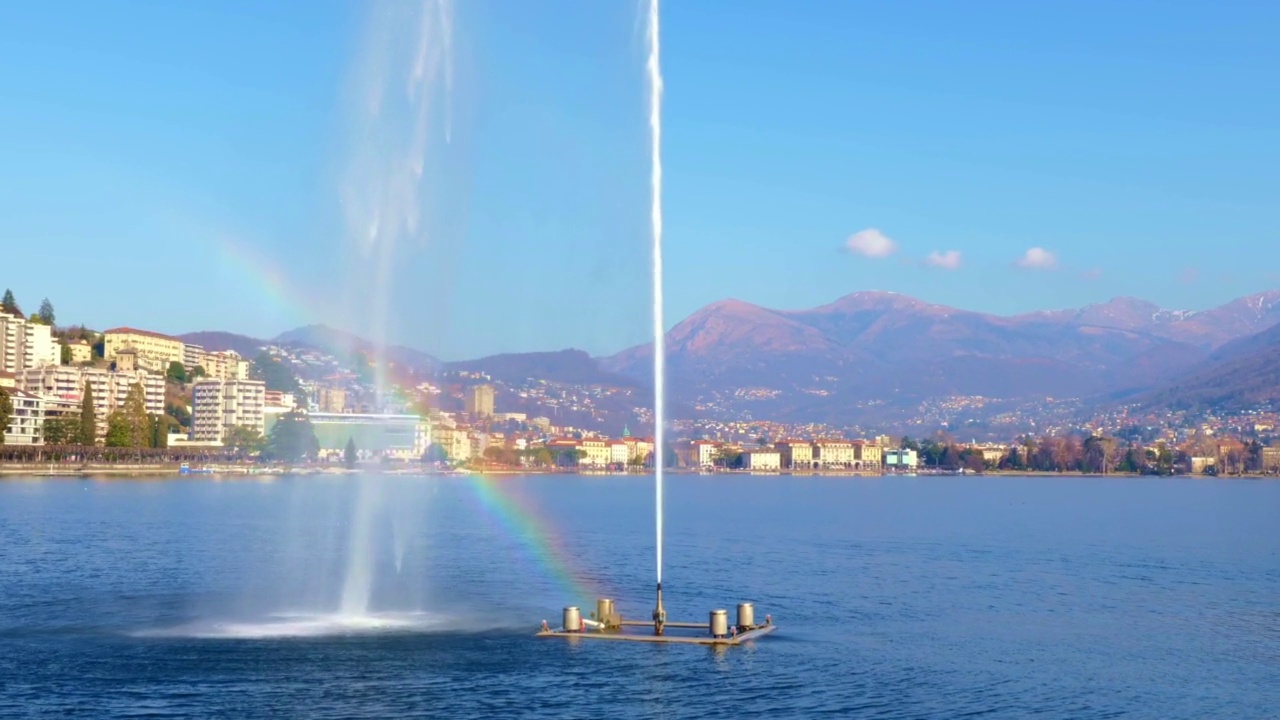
(885, 349)
(217, 341)
(1241, 374)
(343, 344)
(573, 367)
(1208, 328)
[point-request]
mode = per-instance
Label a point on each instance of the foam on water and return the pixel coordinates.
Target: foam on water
(304, 625)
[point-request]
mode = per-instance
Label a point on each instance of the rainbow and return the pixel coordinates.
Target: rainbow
(259, 274)
(521, 519)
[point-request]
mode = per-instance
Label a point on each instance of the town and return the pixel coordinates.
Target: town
(126, 395)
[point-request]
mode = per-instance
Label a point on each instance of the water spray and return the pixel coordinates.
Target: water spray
(606, 622)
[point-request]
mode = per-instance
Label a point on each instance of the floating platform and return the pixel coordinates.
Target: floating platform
(606, 624)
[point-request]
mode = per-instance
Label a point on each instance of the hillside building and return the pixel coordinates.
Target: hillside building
(219, 405)
(25, 344)
(66, 384)
(479, 401)
(154, 350)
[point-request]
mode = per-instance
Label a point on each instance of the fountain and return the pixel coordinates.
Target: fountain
(606, 622)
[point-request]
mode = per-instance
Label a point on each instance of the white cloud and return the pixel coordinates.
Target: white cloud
(1037, 258)
(947, 260)
(871, 243)
(1092, 273)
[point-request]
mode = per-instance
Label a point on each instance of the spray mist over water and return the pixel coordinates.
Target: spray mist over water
(655, 212)
(404, 77)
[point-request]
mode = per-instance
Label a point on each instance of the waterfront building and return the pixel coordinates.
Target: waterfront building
(901, 459)
(26, 424)
(1271, 458)
(110, 388)
(454, 442)
(400, 437)
(154, 350)
(867, 455)
(795, 454)
(479, 401)
(762, 460)
(619, 452)
(219, 405)
(833, 453)
(697, 453)
(597, 452)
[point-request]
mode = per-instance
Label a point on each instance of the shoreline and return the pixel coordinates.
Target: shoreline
(253, 470)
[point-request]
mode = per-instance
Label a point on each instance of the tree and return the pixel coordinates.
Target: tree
(118, 432)
(349, 453)
(199, 372)
(62, 430)
(65, 356)
(45, 313)
(88, 434)
(436, 453)
(244, 441)
(136, 418)
(176, 372)
(6, 413)
(277, 376)
(159, 431)
(292, 439)
(728, 458)
(9, 304)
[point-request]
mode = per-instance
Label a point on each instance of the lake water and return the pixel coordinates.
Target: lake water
(894, 598)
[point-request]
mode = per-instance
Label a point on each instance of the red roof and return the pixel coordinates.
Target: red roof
(135, 331)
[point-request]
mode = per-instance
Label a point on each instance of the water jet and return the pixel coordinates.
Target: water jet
(605, 623)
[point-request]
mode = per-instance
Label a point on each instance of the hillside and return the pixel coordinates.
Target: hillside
(891, 352)
(1240, 375)
(216, 341)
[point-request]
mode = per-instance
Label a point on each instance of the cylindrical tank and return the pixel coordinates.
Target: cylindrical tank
(746, 615)
(572, 619)
(604, 610)
(719, 623)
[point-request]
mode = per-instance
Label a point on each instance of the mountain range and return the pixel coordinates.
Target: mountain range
(879, 355)
(881, 352)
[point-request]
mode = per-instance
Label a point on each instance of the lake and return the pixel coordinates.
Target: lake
(894, 597)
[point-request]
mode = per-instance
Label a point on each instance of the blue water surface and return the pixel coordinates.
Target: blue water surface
(894, 597)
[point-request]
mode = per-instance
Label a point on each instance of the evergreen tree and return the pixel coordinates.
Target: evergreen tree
(9, 304)
(135, 416)
(292, 439)
(176, 372)
(349, 454)
(88, 434)
(119, 434)
(45, 313)
(6, 413)
(159, 431)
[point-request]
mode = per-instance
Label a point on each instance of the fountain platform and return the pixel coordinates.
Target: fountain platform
(606, 624)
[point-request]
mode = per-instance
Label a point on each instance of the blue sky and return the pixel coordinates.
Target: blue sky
(181, 166)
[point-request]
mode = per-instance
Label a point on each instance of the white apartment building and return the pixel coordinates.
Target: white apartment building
(192, 356)
(26, 426)
(24, 344)
(66, 383)
(762, 460)
(218, 405)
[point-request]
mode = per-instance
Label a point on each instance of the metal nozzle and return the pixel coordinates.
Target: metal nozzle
(659, 615)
